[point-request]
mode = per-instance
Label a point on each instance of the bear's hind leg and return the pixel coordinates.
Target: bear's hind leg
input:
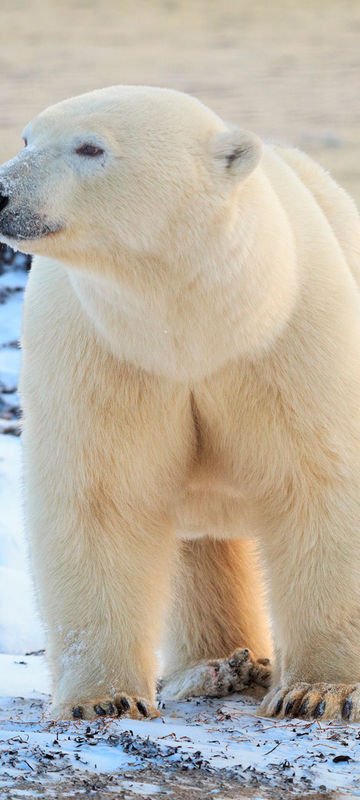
(217, 639)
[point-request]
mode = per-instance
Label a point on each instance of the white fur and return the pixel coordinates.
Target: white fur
(191, 350)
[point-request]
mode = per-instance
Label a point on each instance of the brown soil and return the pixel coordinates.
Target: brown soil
(173, 784)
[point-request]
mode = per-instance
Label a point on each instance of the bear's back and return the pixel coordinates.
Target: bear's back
(337, 206)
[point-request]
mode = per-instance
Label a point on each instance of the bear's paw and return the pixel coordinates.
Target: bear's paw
(240, 672)
(120, 705)
(337, 701)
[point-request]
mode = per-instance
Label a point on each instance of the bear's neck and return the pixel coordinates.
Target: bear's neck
(186, 319)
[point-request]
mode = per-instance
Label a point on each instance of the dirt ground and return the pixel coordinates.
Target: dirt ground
(36, 759)
(287, 69)
(151, 784)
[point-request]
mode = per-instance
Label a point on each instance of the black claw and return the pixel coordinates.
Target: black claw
(230, 688)
(124, 703)
(279, 705)
(347, 709)
(289, 707)
(303, 708)
(264, 679)
(110, 708)
(78, 712)
(100, 711)
(319, 709)
(142, 708)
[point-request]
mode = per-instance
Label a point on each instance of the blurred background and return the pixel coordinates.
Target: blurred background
(286, 69)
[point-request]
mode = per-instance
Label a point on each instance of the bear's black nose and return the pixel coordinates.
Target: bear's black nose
(3, 198)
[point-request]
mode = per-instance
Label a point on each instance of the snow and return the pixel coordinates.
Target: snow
(20, 628)
(10, 318)
(24, 676)
(223, 740)
(220, 736)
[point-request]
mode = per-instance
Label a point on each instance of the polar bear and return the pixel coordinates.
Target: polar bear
(191, 392)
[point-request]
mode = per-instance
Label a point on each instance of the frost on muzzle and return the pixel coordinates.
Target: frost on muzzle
(21, 216)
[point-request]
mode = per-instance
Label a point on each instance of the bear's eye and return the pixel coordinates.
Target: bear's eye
(89, 150)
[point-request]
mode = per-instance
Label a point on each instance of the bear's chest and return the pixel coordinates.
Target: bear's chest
(157, 333)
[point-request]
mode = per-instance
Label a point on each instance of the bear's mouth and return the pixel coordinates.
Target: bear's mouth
(19, 226)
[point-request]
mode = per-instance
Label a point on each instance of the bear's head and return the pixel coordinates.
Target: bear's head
(128, 168)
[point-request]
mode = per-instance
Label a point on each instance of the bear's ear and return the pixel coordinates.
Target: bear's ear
(235, 152)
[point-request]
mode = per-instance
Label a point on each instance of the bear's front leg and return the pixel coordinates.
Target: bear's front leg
(107, 593)
(105, 450)
(314, 567)
(101, 570)
(101, 547)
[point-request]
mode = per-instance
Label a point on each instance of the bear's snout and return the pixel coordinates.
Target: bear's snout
(21, 214)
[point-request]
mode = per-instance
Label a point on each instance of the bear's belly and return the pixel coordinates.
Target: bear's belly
(213, 507)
